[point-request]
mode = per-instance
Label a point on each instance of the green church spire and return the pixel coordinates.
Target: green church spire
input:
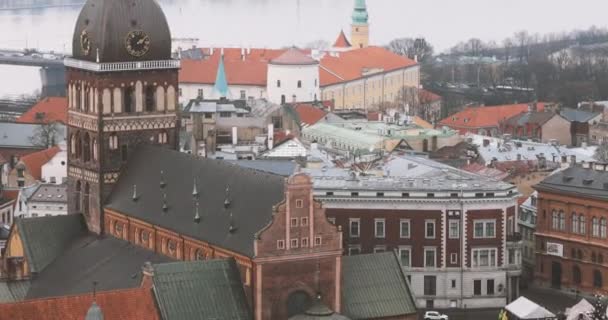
(360, 12)
(221, 84)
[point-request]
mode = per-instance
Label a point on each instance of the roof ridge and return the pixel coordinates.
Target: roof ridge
(97, 293)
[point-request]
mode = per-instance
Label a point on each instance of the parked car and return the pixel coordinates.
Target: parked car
(434, 315)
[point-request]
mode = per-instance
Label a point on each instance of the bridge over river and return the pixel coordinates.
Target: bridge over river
(52, 71)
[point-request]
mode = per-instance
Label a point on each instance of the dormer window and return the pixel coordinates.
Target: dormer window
(278, 83)
(299, 83)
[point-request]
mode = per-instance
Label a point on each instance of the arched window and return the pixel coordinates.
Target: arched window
(129, 99)
(573, 253)
(554, 216)
(94, 149)
(562, 220)
(86, 147)
(113, 141)
(299, 83)
(150, 98)
(278, 83)
(144, 236)
(162, 137)
(77, 152)
(85, 98)
(597, 279)
(581, 224)
(603, 228)
(77, 196)
(600, 258)
(593, 258)
(85, 198)
(595, 227)
(574, 223)
(580, 254)
(78, 99)
(576, 275)
(73, 138)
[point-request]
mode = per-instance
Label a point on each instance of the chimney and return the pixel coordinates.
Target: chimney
(486, 142)
(235, 137)
(147, 274)
(248, 50)
(243, 54)
(270, 136)
(211, 51)
(222, 51)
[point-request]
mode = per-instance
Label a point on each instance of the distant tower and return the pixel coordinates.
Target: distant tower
(122, 92)
(359, 34)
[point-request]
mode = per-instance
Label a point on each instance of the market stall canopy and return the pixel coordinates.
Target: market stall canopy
(523, 308)
(582, 307)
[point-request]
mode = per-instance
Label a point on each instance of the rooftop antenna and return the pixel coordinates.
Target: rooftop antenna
(197, 217)
(165, 206)
(227, 199)
(194, 191)
(232, 227)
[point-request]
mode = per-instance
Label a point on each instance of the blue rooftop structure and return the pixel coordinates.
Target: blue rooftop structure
(360, 15)
(221, 84)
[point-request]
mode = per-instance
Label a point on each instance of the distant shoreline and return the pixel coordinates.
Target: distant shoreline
(41, 7)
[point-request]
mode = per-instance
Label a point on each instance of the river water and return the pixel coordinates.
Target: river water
(277, 23)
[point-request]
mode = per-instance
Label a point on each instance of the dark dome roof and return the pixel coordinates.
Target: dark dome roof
(319, 311)
(107, 23)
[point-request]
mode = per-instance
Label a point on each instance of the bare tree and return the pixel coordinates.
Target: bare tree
(601, 153)
(46, 134)
(412, 48)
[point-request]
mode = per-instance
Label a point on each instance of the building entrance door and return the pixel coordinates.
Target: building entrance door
(556, 275)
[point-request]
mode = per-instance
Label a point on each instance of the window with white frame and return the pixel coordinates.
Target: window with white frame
(379, 227)
(354, 249)
(405, 256)
(294, 243)
(304, 221)
(454, 229)
(354, 227)
(404, 228)
(484, 229)
(280, 244)
(430, 257)
(483, 257)
(453, 258)
(294, 222)
(304, 242)
(299, 203)
(429, 229)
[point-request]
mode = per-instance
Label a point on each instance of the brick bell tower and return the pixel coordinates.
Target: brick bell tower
(122, 90)
(297, 256)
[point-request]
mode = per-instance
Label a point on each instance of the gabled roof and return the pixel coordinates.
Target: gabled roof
(34, 161)
(374, 287)
(578, 115)
(352, 64)
(293, 56)
(113, 263)
(130, 304)
(342, 41)
(209, 289)
(534, 117)
(484, 117)
(47, 110)
(45, 238)
(309, 114)
(250, 210)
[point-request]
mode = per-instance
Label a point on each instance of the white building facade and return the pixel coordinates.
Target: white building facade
(45, 199)
(55, 170)
(293, 77)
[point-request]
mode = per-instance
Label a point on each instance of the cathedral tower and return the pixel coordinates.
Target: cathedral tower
(122, 92)
(359, 34)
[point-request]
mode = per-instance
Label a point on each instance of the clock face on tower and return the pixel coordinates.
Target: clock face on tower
(85, 42)
(137, 43)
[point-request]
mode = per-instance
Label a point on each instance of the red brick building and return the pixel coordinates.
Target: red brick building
(571, 229)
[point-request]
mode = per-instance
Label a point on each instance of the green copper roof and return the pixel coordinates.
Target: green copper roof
(360, 12)
(210, 289)
(221, 84)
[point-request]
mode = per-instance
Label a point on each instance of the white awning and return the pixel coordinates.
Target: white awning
(523, 308)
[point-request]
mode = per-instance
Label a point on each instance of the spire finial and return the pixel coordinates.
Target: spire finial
(227, 199)
(135, 196)
(165, 206)
(162, 179)
(194, 190)
(197, 217)
(232, 227)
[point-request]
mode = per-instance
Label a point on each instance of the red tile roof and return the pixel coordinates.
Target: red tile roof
(349, 65)
(309, 114)
(342, 41)
(293, 56)
(346, 66)
(34, 161)
(47, 110)
(130, 304)
(282, 135)
(484, 117)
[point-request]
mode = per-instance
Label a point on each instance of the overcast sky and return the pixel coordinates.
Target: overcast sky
(444, 22)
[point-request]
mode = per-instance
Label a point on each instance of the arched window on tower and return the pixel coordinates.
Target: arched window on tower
(78, 98)
(86, 147)
(77, 152)
(85, 198)
(150, 98)
(576, 274)
(94, 151)
(129, 99)
(77, 198)
(86, 107)
(597, 279)
(162, 137)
